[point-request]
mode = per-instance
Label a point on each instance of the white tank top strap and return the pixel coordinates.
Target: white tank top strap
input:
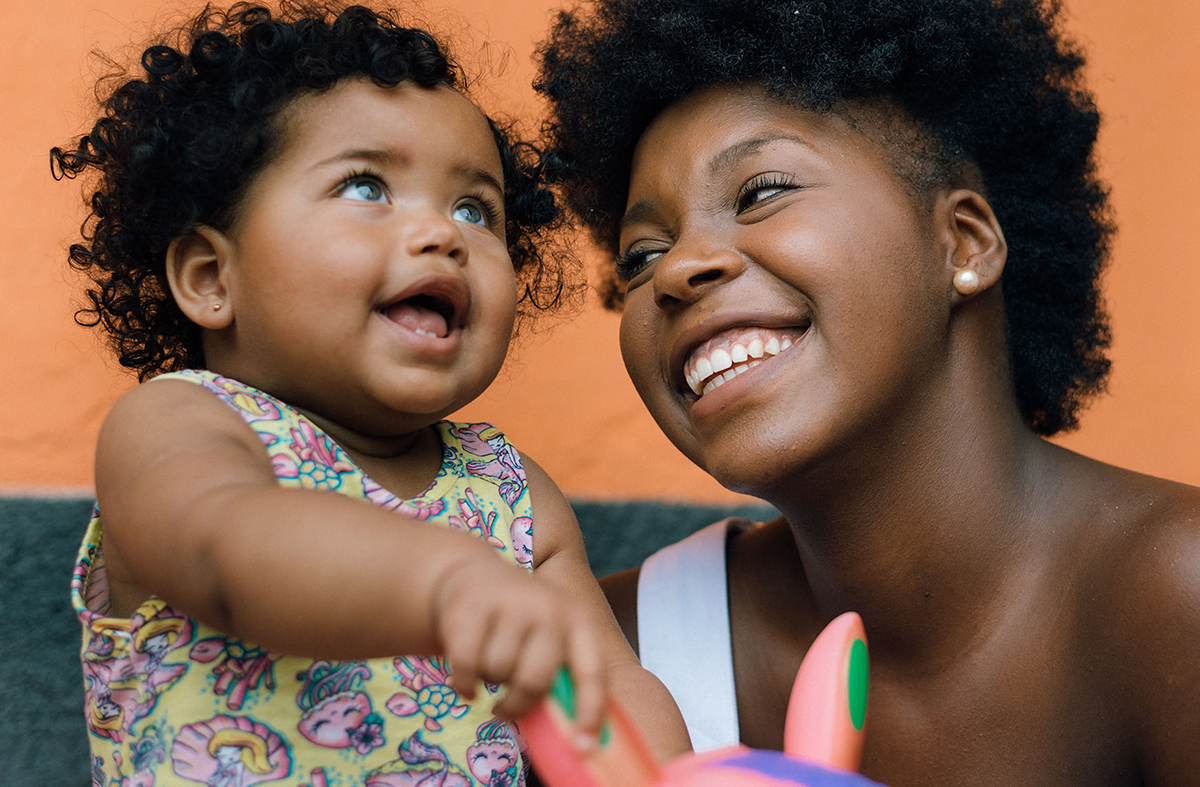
(683, 631)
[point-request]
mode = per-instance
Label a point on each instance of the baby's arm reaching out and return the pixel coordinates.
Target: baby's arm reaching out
(193, 514)
(559, 557)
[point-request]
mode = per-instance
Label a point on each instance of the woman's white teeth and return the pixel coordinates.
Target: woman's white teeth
(720, 360)
(706, 371)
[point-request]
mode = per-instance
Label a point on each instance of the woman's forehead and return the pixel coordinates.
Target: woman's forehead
(715, 128)
(720, 123)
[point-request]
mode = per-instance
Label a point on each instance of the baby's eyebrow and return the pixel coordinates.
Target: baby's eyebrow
(377, 155)
(479, 175)
(386, 157)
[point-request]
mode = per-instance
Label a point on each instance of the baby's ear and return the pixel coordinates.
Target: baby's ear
(196, 273)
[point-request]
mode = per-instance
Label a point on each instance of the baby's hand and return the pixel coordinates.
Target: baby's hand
(500, 624)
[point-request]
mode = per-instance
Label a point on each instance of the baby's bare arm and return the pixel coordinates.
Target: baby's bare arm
(193, 513)
(559, 557)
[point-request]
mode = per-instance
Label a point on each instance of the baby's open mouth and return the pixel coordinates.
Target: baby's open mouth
(434, 311)
(735, 352)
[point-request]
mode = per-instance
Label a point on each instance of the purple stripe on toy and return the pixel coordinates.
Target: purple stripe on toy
(779, 766)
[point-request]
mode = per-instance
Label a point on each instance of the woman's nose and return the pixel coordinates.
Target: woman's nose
(684, 274)
(429, 232)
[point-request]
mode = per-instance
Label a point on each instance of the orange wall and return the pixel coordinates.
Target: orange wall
(565, 397)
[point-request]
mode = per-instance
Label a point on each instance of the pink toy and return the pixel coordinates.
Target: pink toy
(822, 736)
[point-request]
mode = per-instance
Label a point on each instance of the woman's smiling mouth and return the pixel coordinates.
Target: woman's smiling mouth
(734, 352)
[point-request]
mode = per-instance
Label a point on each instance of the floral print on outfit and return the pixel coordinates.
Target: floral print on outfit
(171, 701)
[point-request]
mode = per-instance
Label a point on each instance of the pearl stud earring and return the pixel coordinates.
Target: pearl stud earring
(966, 281)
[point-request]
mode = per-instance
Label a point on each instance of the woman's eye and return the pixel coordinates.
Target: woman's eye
(632, 262)
(762, 188)
(758, 195)
(364, 188)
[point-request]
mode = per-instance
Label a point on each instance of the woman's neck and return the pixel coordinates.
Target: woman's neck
(925, 539)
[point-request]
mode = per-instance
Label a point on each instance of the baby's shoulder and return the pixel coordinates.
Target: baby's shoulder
(169, 397)
(168, 410)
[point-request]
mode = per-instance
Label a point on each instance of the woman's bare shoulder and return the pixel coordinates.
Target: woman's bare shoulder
(1141, 536)
(1141, 520)
(1141, 617)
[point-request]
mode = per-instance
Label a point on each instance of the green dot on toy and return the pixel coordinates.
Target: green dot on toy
(856, 680)
(563, 691)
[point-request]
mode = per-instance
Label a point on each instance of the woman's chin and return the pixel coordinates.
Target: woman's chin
(748, 473)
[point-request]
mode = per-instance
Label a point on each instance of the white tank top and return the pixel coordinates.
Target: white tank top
(683, 631)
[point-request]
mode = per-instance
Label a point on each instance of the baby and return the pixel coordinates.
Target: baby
(317, 248)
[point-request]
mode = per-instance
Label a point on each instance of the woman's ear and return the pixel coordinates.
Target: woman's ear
(978, 250)
(196, 272)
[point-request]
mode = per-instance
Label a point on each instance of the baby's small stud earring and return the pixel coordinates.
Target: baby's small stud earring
(217, 306)
(966, 281)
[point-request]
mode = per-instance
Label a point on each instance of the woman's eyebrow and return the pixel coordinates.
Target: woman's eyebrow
(746, 148)
(643, 210)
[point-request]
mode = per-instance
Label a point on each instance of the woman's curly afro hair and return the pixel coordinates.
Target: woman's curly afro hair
(991, 83)
(178, 146)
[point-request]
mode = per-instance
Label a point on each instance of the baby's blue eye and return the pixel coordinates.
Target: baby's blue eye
(365, 189)
(471, 213)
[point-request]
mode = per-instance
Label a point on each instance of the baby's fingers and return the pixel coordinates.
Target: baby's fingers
(502, 652)
(465, 645)
(530, 681)
(585, 660)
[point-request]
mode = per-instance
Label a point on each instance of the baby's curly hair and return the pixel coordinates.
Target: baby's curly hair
(178, 146)
(990, 86)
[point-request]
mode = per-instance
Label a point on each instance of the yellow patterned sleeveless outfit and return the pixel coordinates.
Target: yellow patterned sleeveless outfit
(171, 701)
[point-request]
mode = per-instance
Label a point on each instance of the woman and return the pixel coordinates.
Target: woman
(857, 248)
